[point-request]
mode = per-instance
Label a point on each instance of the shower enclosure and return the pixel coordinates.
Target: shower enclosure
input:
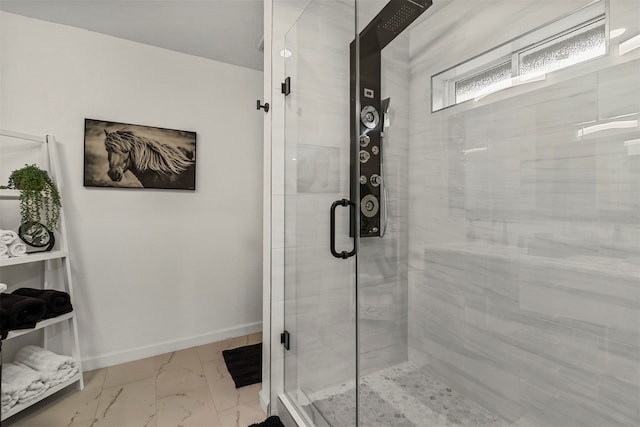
(481, 162)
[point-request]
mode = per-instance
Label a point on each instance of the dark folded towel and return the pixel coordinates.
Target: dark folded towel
(4, 320)
(22, 312)
(57, 302)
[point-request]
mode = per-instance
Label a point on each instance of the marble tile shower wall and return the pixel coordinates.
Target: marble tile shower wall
(524, 289)
(319, 289)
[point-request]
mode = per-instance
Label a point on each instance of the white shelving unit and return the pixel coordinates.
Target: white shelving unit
(57, 269)
(44, 256)
(9, 194)
(40, 325)
(17, 408)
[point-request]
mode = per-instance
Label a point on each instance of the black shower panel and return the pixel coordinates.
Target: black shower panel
(366, 141)
(366, 149)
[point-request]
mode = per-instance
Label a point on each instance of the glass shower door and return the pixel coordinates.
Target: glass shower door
(320, 310)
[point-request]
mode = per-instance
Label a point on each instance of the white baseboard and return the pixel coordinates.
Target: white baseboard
(117, 357)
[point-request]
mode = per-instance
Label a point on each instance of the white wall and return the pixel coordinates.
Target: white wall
(154, 270)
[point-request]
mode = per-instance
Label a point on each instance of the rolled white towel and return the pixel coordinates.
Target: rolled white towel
(9, 395)
(20, 377)
(3, 287)
(4, 251)
(7, 237)
(44, 361)
(27, 395)
(27, 382)
(52, 379)
(17, 249)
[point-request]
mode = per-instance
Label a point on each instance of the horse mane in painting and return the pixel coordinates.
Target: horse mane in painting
(155, 164)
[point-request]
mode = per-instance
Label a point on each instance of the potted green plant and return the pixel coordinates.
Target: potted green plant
(39, 197)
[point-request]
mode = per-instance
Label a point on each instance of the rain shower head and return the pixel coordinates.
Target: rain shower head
(394, 18)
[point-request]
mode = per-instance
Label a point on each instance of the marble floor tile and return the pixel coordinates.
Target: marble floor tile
(213, 351)
(129, 372)
(187, 388)
(187, 359)
(193, 408)
(223, 390)
(132, 404)
(254, 338)
(242, 415)
(179, 380)
(89, 423)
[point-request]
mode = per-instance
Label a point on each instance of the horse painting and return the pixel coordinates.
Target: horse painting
(156, 165)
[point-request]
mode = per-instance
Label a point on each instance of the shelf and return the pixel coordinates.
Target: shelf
(24, 136)
(14, 410)
(40, 325)
(64, 335)
(9, 194)
(34, 257)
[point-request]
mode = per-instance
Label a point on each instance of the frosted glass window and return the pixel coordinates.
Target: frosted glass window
(569, 40)
(578, 46)
(470, 87)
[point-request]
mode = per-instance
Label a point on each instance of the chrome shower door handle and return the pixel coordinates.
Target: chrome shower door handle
(332, 232)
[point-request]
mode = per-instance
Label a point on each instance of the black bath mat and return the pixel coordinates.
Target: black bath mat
(244, 364)
(272, 421)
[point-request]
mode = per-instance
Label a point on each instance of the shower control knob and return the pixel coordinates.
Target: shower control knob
(369, 117)
(374, 230)
(375, 180)
(364, 156)
(365, 140)
(363, 179)
(369, 206)
(375, 149)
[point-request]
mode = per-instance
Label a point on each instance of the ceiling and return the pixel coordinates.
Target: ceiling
(223, 30)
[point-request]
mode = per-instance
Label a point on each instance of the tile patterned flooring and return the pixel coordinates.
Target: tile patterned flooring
(403, 396)
(186, 388)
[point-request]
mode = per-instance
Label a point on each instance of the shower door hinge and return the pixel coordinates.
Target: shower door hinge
(285, 339)
(286, 86)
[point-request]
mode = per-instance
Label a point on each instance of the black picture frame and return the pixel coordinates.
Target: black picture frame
(123, 155)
